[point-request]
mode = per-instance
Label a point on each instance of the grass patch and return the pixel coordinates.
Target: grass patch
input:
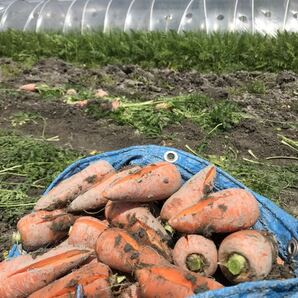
(151, 117)
(256, 87)
(215, 52)
(27, 167)
(263, 177)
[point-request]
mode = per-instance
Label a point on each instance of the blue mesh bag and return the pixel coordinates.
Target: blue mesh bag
(272, 219)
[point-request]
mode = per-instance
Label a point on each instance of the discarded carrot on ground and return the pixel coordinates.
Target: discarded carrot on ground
(28, 277)
(247, 255)
(224, 211)
(171, 281)
(94, 277)
(67, 190)
(196, 253)
(85, 231)
(94, 198)
(154, 182)
(43, 228)
(190, 193)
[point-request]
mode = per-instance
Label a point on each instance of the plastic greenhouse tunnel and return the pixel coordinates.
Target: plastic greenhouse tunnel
(261, 16)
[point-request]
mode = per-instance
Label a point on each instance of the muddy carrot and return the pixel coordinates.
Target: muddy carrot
(30, 276)
(171, 281)
(70, 188)
(190, 193)
(44, 227)
(154, 182)
(141, 223)
(94, 198)
(94, 277)
(117, 249)
(228, 210)
(247, 255)
(126, 214)
(85, 231)
(196, 253)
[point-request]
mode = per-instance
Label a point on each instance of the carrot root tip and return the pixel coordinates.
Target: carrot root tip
(195, 263)
(236, 264)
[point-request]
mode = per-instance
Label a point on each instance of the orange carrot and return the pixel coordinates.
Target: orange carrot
(44, 227)
(139, 221)
(133, 291)
(154, 182)
(171, 281)
(126, 214)
(196, 253)
(70, 188)
(29, 87)
(117, 249)
(228, 210)
(94, 197)
(85, 231)
(190, 193)
(247, 255)
(94, 277)
(30, 276)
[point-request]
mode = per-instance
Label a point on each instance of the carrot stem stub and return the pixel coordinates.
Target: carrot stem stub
(236, 264)
(195, 262)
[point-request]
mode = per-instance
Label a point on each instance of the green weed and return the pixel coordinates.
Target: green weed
(256, 87)
(151, 117)
(27, 167)
(22, 118)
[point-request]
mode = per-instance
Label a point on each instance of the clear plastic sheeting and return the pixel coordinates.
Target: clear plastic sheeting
(262, 16)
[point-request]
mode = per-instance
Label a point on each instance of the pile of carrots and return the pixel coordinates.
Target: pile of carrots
(156, 232)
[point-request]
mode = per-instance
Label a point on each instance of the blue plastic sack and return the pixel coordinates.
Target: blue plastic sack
(272, 219)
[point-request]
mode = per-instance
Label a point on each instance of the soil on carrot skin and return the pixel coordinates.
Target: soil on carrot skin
(271, 98)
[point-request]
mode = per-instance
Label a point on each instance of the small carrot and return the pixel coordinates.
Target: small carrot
(70, 188)
(190, 193)
(94, 277)
(224, 211)
(30, 276)
(171, 281)
(153, 182)
(196, 253)
(44, 227)
(94, 198)
(117, 249)
(85, 231)
(133, 291)
(247, 255)
(29, 87)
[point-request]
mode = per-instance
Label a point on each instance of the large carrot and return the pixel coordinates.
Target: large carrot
(85, 231)
(117, 249)
(141, 223)
(171, 281)
(94, 277)
(29, 276)
(196, 253)
(247, 255)
(126, 214)
(44, 227)
(94, 198)
(228, 210)
(190, 193)
(154, 182)
(70, 188)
